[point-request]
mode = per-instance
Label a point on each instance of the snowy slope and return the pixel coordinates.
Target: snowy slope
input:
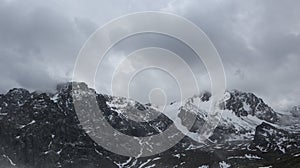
(234, 125)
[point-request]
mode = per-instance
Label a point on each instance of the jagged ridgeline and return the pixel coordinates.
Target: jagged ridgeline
(42, 130)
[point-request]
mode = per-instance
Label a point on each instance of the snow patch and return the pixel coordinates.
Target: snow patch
(223, 164)
(296, 155)
(204, 166)
(55, 98)
(10, 161)
(32, 122)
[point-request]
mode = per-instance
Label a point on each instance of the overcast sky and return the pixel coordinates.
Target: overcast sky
(258, 41)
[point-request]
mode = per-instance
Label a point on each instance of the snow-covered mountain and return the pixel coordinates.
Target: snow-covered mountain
(43, 130)
(240, 114)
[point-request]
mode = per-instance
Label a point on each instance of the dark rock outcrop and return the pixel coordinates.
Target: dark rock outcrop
(269, 138)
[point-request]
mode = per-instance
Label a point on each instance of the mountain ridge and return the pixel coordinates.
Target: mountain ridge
(42, 130)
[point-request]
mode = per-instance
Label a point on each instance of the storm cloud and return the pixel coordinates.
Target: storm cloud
(258, 42)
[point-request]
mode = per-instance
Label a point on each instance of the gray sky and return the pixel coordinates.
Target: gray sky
(258, 42)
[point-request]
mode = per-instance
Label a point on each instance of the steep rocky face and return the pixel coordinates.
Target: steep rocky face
(244, 104)
(269, 138)
(43, 131)
(37, 132)
(295, 111)
(13, 100)
(240, 114)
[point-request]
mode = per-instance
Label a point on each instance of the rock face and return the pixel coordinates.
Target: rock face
(269, 138)
(243, 104)
(241, 113)
(295, 111)
(38, 132)
(43, 130)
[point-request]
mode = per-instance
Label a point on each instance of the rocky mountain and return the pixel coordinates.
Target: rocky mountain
(240, 115)
(244, 104)
(43, 130)
(295, 111)
(269, 138)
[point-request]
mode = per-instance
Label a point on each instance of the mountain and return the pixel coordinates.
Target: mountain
(295, 111)
(43, 130)
(240, 115)
(269, 138)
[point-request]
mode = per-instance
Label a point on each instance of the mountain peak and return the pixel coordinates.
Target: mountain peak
(243, 104)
